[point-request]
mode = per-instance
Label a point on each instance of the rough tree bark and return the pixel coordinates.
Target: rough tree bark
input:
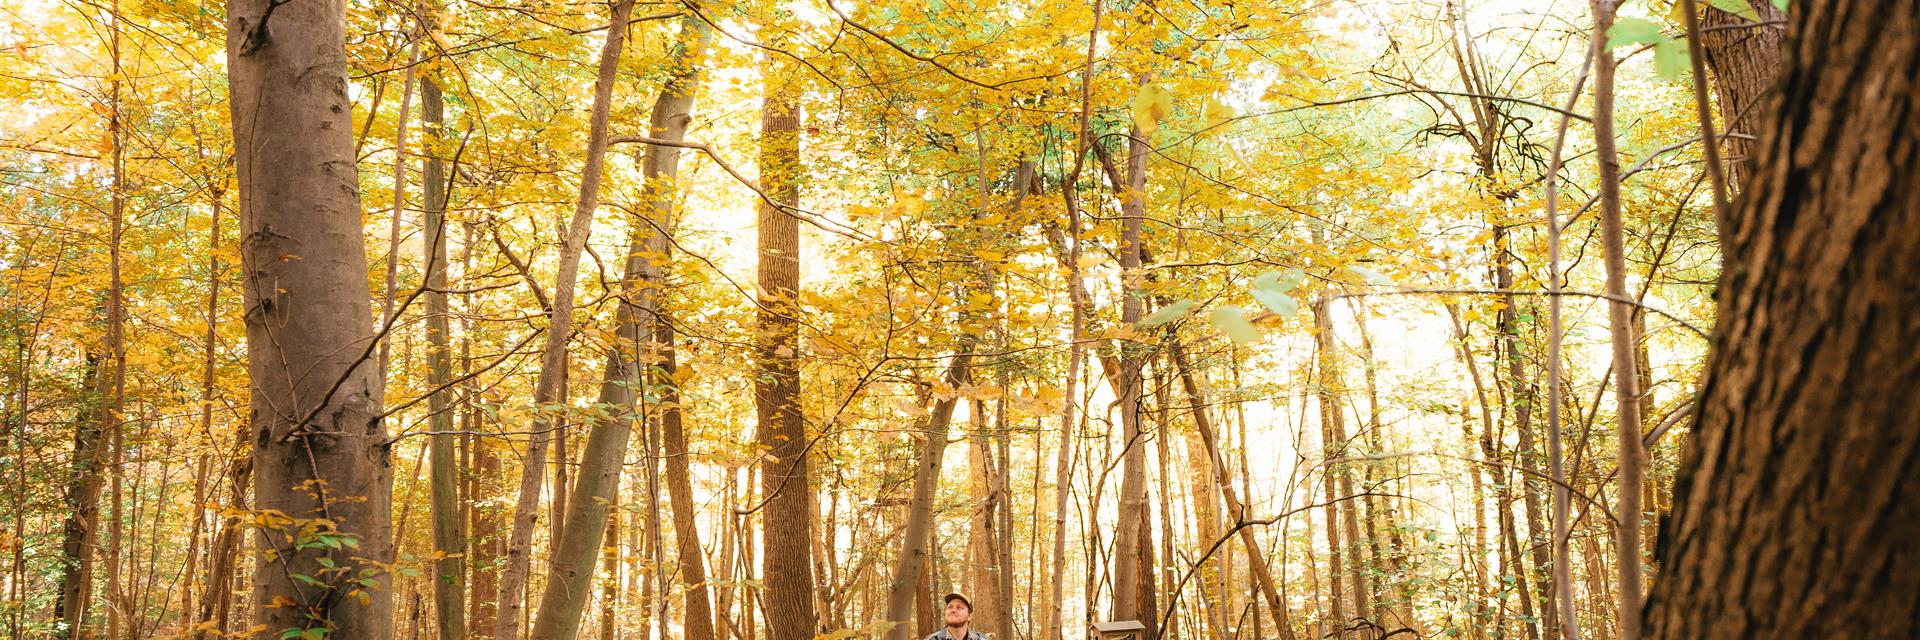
(1744, 58)
(785, 474)
(319, 445)
(83, 504)
(1794, 514)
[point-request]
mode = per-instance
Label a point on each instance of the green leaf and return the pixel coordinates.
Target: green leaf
(1781, 4)
(1372, 276)
(1233, 322)
(1277, 302)
(1167, 314)
(1630, 30)
(1279, 281)
(1670, 60)
(308, 579)
(1736, 7)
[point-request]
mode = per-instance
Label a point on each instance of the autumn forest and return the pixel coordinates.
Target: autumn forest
(786, 319)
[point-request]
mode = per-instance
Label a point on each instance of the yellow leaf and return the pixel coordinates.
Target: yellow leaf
(1151, 104)
(1216, 113)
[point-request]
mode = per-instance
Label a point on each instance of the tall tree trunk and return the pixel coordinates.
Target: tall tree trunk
(486, 545)
(1794, 513)
(1520, 393)
(1076, 358)
(1620, 325)
(216, 605)
(1162, 388)
(926, 601)
(98, 427)
(1069, 413)
(785, 472)
(914, 563)
(1393, 602)
(663, 614)
(320, 445)
(116, 338)
(1477, 629)
(1507, 548)
(549, 390)
(610, 583)
(983, 575)
(82, 501)
(115, 593)
(1131, 586)
(723, 625)
(449, 543)
(1204, 499)
(564, 600)
(672, 112)
(561, 460)
(987, 540)
(1744, 58)
(207, 385)
(1256, 559)
(1338, 481)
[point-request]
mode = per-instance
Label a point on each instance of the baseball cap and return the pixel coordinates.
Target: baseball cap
(955, 596)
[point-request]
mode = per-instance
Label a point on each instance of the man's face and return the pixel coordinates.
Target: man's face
(958, 613)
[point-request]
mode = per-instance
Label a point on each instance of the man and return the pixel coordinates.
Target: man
(959, 613)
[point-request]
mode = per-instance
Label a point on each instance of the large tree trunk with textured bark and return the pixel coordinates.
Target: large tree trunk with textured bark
(1794, 516)
(319, 442)
(786, 487)
(1744, 57)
